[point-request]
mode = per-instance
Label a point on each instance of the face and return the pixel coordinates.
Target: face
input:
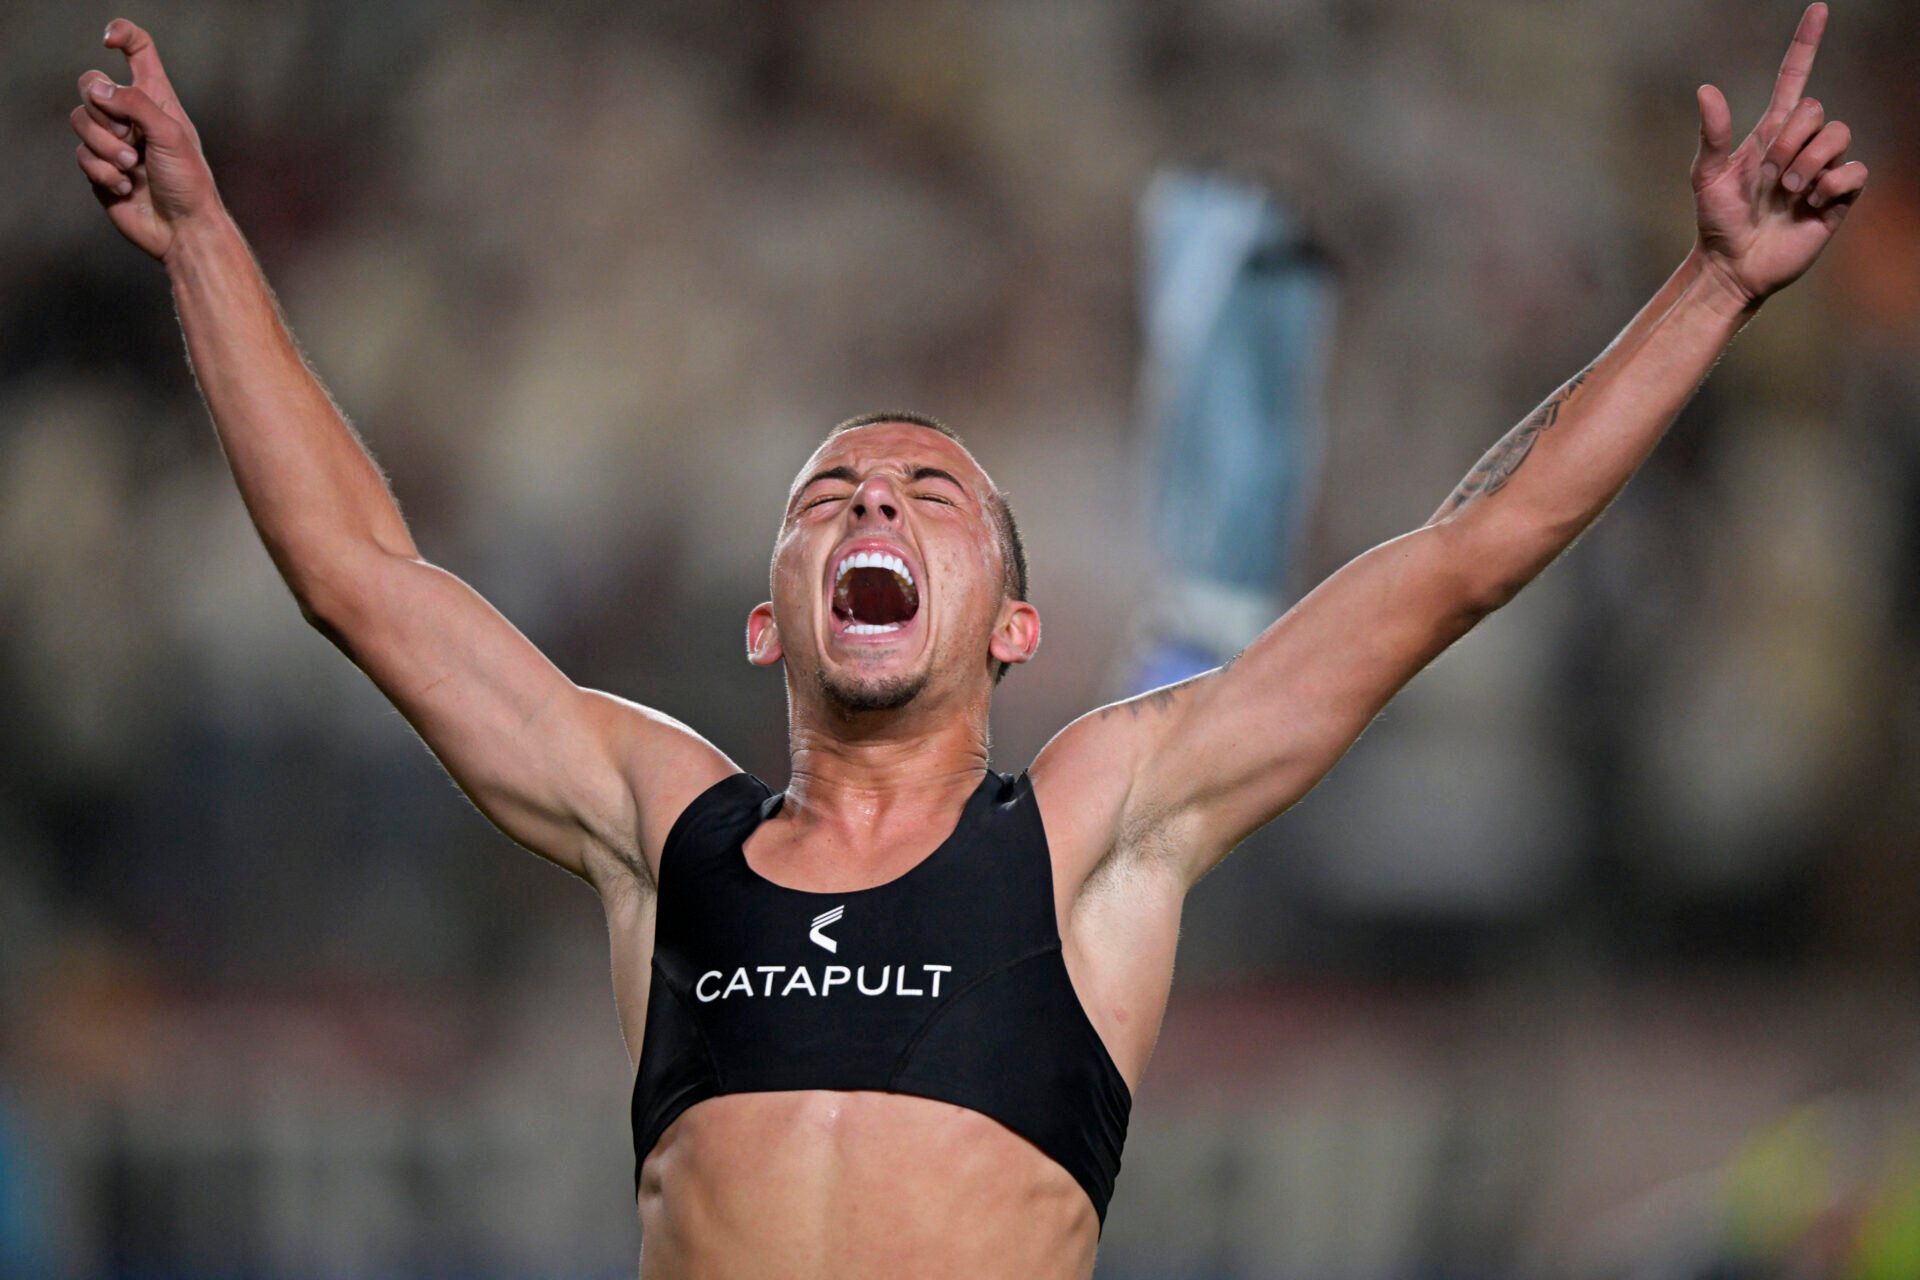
(888, 581)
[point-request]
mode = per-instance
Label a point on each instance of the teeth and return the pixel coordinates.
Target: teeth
(871, 628)
(873, 560)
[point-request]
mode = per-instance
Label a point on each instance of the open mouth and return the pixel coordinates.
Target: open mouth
(873, 594)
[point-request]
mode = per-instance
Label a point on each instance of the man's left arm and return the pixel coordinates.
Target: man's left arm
(1210, 760)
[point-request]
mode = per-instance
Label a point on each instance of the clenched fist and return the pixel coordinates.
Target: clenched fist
(139, 149)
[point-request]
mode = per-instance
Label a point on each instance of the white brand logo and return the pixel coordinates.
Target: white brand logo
(886, 979)
(868, 980)
(820, 922)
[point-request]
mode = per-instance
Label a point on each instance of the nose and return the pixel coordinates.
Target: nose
(877, 499)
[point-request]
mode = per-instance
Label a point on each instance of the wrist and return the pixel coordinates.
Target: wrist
(196, 237)
(1718, 288)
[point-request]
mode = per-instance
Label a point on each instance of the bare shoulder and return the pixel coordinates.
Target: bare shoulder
(1085, 782)
(663, 765)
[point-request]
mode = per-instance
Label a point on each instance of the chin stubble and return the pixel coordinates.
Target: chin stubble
(889, 694)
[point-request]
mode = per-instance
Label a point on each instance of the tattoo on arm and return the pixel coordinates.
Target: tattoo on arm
(1161, 700)
(1157, 702)
(1501, 461)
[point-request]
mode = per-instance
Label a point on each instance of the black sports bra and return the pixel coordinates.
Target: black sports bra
(946, 982)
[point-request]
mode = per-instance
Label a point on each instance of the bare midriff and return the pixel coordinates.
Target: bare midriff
(821, 1185)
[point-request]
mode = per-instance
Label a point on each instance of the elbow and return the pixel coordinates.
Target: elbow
(323, 610)
(332, 592)
(1497, 558)
(318, 612)
(313, 589)
(1480, 577)
(1496, 580)
(1492, 593)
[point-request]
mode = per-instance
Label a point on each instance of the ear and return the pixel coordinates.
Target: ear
(763, 638)
(1017, 637)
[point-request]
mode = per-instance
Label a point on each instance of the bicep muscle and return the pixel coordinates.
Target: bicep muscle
(1233, 749)
(545, 760)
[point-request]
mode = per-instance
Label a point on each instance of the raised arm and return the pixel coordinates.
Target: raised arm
(579, 777)
(1191, 770)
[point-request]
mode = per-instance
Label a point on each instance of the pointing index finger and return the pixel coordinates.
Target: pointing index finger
(148, 75)
(1795, 68)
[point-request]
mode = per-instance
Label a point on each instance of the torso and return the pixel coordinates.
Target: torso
(818, 1183)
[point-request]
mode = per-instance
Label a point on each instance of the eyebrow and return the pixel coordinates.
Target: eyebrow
(842, 472)
(935, 473)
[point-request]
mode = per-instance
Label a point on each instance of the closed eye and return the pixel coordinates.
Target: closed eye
(936, 475)
(839, 475)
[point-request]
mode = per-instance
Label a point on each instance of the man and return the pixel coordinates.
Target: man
(888, 1023)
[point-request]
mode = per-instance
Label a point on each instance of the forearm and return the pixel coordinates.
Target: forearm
(1550, 477)
(316, 497)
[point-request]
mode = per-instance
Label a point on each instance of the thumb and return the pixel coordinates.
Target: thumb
(142, 58)
(125, 103)
(1716, 129)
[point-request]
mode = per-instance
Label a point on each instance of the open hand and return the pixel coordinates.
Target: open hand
(1768, 208)
(139, 149)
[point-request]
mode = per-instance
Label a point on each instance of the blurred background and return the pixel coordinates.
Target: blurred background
(1596, 957)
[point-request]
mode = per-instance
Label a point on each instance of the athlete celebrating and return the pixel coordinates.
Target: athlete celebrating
(888, 1022)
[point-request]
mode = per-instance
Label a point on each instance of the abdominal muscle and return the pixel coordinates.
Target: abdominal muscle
(813, 1184)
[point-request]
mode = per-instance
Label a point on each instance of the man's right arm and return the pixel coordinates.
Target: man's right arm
(585, 779)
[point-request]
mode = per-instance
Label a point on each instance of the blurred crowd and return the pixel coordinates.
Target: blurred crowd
(592, 280)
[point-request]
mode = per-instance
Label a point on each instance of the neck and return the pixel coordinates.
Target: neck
(854, 774)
